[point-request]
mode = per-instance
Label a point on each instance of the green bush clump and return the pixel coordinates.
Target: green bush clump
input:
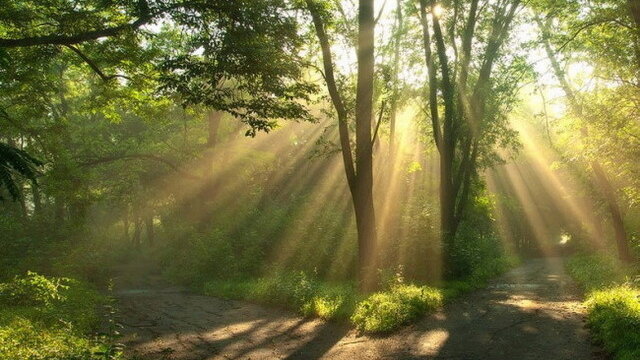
(612, 302)
(595, 271)
(385, 311)
(27, 339)
(32, 290)
(51, 318)
(293, 290)
(614, 317)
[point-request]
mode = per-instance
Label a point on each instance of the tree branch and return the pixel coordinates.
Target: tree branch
(334, 94)
(94, 66)
(73, 39)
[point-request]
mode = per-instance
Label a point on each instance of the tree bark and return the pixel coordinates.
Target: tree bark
(365, 215)
(360, 177)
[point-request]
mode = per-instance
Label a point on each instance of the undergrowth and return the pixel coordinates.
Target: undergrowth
(296, 290)
(50, 318)
(398, 303)
(612, 302)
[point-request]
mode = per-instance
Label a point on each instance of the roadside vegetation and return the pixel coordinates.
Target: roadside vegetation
(347, 160)
(43, 318)
(612, 302)
(397, 302)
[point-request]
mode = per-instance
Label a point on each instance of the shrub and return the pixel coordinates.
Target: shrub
(293, 290)
(385, 311)
(613, 307)
(614, 317)
(595, 271)
(32, 290)
(51, 318)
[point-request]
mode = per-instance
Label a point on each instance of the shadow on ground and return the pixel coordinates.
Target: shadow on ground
(533, 312)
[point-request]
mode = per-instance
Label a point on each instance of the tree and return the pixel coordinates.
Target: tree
(590, 37)
(460, 91)
(359, 175)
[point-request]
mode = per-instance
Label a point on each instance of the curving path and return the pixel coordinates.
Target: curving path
(532, 312)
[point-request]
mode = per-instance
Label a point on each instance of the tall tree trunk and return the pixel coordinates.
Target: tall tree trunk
(360, 178)
(365, 215)
(617, 221)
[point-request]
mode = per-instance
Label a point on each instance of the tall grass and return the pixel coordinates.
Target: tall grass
(612, 303)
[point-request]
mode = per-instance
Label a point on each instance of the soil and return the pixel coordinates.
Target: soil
(531, 312)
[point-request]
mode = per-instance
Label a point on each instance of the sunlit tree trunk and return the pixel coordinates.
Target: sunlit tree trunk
(360, 177)
(365, 215)
(463, 104)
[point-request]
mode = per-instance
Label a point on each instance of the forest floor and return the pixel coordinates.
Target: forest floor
(531, 312)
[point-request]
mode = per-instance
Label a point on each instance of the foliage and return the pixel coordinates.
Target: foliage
(613, 307)
(45, 320)
(614, 317)
(15, 161)
(295, 290)
(402, 303)
(33, 290)
(596, 271)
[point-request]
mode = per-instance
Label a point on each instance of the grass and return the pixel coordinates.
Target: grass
(401, 304)
(398, 304)
(50, 318)
(612, 303)
(297, 290)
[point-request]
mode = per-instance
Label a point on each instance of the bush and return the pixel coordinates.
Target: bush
(613, 307)
(51, 318)
(614, 317)
(293, 290)
(25, 339)
(596, 271)
(32, 290)
(385, 311)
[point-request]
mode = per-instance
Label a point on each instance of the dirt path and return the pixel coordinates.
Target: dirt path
(532, 312)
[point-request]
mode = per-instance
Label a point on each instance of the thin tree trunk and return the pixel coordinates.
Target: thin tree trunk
(617, 221)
